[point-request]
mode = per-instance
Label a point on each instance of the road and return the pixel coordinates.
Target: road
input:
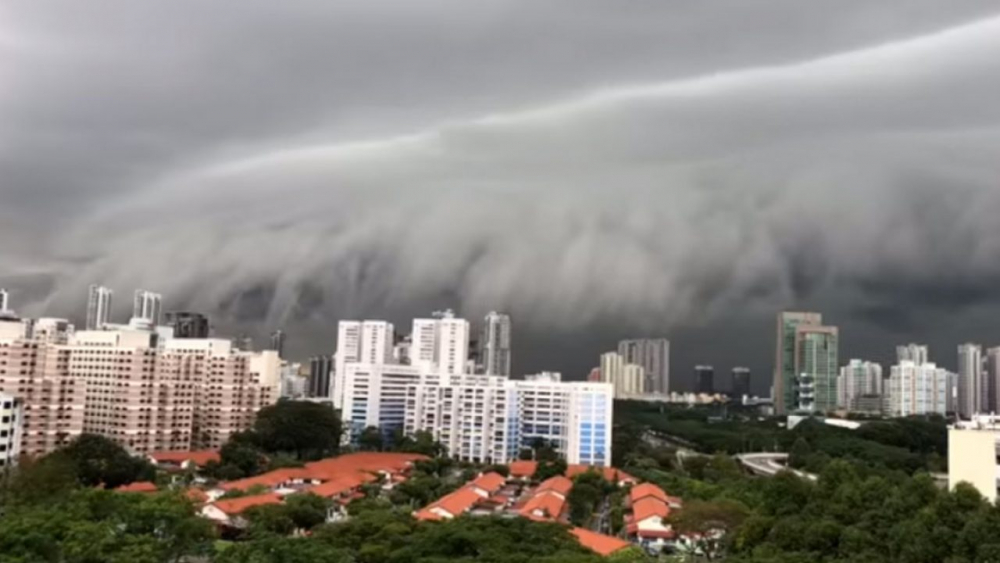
(770, 464)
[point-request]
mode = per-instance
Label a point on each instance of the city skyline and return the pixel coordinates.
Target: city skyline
(668, 172)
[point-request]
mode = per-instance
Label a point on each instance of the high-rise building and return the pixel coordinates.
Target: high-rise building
(278, 342)
(786, 374)
(704, 378)
(144, 393)
(443, 341)
(495, 344)
(916, 353)
(992, 375)
(916, 389)
(368, 342)
(741, 382)
(187, 324)
(11, 430)
(4, 300)
(971, 388)
(146, 307)
(859, 382)
(816, 360)
(98, 307)
(653, 354)
(320, 368)
(633, 380)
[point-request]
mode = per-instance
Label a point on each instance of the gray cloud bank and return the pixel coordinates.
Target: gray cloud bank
(865, 181)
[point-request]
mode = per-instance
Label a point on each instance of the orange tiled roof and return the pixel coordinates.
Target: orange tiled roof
(340, 485)
(549, 504)
(196, 495)
(369, 462)
(427, 514)
(137, 487)
(197, 457)
(269, 479)
(559, 484)
(235, 506)
(523, 468)
(649, 507)
(599, 543)
(458, 502)
(647, 490)
(611, 474)
(489, 482)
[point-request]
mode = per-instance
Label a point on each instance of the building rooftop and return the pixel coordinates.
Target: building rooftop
(599, 543)
(649, 507)
(489, 482)
(137, 487)
(644, 490)
(558, 484)
(523, 468)
(236, 506)
(197, 457)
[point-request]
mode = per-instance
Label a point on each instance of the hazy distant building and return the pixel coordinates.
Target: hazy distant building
(243, 343)
(916, 353)
(4, 300)
(858, 379)
(278, 342)
(98, 306)
(741, 382)
(816, 360)
(494, 344)
(146, 307)
(785, 368)
(992, 376)
(653, 354)
(971, 388)
(442, 340)
(704, 377)
(320, 369)
(187, 324)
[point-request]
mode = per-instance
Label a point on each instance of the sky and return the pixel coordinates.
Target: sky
(600, 170)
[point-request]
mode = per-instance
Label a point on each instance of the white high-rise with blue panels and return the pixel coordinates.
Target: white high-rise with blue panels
(475, 416)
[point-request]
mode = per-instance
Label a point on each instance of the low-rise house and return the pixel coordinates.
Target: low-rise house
(451, 505)
(228, 512)
(175, 461)
(137, 487)
(599, 543)
(522, 470)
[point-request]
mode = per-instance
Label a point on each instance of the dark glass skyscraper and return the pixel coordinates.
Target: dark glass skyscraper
(704, 379)
(320, 368)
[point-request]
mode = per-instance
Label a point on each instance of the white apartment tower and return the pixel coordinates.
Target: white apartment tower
(858, 379)
(368, 342)
(4, 300)
(971, 388)
(98, 307)
(146, 307)
(495, 344)
(917, 389)
(916, 353)
(441, 341)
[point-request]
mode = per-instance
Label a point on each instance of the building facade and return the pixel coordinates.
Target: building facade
(146, 307)
(495, 344)
(187, 324)
(11, 429)
(653, 354)
(858, 379)
(816, 361)
(786, 374)
(971, 381)
(916, 353)
(320, 370)
(917, 389)
(704, 378)
(740, 385)
(98, 306)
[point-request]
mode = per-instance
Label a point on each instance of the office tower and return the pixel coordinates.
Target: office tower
(971, 392)
(495, 344)
(741, 382)
(146, 307)
(320, 368)
(360, 342)
(98, 307)
(785, 369)
(859, 382)
(992, 383)
(704, 378)
(653, 354)
(11, 430)
(278, 342)
(816, 360)
(4, 300)
(916, 389)
(916, 353)
(187, 324)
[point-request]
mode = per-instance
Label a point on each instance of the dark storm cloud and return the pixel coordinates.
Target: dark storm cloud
(598, 168)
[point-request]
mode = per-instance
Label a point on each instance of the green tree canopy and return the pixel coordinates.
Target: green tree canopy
(304, 429)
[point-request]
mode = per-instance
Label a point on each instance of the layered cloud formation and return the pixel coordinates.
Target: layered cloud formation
(867, 180)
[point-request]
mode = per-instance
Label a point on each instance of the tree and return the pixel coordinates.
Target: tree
(371, 439)
(42, 480)
(707, 523)
(238, 458)
(97, 460)
(306, 509)
(306, 430)
(548, 469)
(422, 442)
